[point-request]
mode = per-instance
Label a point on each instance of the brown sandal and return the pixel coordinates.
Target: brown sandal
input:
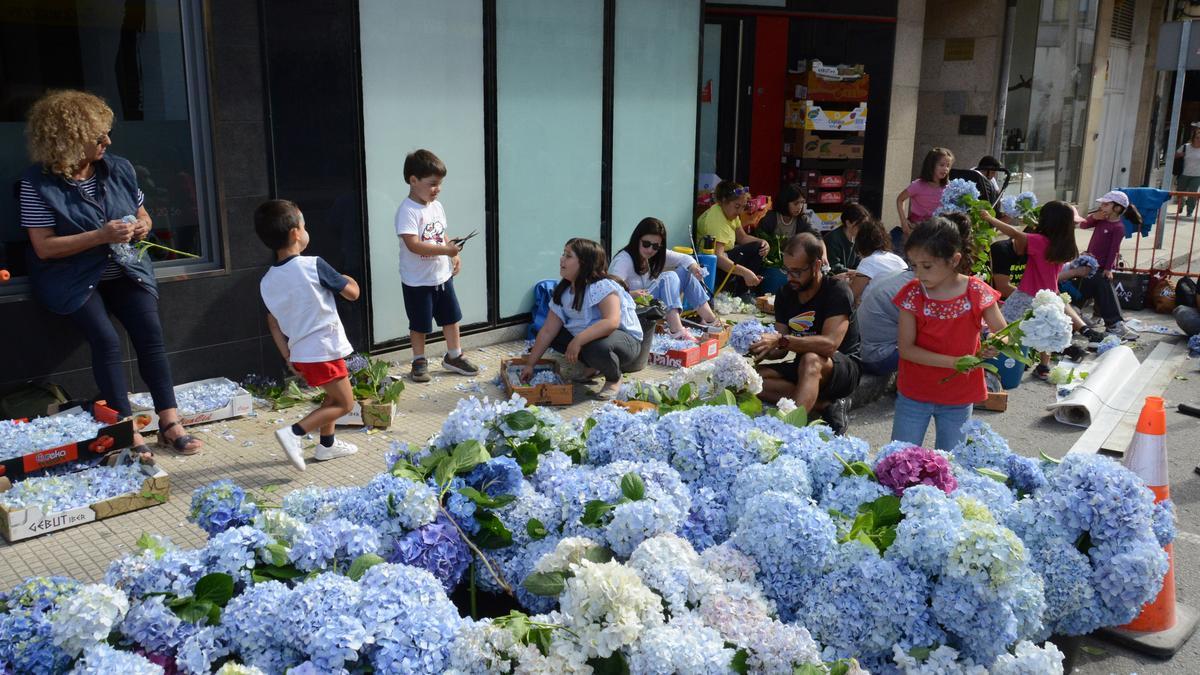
(180, 444)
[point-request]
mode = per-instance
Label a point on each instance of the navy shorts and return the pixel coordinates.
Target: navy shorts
(426, 304)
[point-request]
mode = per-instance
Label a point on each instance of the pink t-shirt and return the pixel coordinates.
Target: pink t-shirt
(923, 199)
(1040, 274)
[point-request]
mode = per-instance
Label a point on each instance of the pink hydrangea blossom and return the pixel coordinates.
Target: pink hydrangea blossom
(915, 466)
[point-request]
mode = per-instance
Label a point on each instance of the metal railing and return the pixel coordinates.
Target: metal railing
(1169, 225)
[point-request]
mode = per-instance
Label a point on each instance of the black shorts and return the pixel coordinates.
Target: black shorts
(426, 304)
(842, 379)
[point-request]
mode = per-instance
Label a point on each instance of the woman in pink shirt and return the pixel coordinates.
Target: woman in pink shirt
(1107, 232)
(923, 194)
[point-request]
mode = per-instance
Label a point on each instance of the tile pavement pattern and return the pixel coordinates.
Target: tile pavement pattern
(245, 451)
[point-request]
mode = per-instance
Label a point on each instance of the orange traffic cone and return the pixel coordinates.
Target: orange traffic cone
(1162, 627)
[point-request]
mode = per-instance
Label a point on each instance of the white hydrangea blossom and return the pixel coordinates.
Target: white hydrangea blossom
(608, 607)
(87, 617)
(566, 555)
(785, 405)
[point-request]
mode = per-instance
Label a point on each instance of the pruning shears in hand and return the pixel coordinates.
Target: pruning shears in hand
(460, 242)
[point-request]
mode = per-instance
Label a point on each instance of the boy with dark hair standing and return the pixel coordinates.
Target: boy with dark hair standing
(428, 263)
(302, 315)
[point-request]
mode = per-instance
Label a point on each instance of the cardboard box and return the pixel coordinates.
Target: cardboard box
(829, 220)
(115, 436)
(793, 115)
(685, 358)
(765, 303)
(369, 413)
(19, 524)
(820, 85)
(847, 147)
(542, 394)
(240, 404)
(828, 197)
(817, 118)
(997, 401)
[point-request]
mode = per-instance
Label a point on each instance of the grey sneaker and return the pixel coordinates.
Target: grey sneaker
(290, 443)
(1122, 331)
(460, 365)
(339, 448)
(420, 371)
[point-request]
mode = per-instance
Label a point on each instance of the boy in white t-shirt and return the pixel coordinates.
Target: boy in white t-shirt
(428, 263)
(299, 292)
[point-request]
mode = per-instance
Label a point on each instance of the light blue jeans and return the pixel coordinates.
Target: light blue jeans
(668, 287)
(912, 420)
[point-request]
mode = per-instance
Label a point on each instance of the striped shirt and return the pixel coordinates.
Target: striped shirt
(36, 213)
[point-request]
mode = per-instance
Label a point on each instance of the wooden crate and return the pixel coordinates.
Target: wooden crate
(542, 394)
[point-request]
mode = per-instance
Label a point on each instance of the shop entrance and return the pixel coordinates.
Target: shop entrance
(798, 97)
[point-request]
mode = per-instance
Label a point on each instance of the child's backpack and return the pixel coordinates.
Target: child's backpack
(542, 292)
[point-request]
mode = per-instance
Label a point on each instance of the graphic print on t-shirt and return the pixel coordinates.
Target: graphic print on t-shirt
(802, 323)
(435, 232)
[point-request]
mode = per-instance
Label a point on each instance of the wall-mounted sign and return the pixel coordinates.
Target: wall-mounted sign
(959, 49)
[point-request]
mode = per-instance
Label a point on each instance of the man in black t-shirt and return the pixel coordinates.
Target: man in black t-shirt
(814, 314)
(1007, 267)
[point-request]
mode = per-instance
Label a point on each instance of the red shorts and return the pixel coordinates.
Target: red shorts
(321, 374)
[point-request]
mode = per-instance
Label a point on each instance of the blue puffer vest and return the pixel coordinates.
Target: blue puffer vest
(64, 284)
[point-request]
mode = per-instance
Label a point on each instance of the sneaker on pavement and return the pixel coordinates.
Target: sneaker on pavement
(837, 417)
(420, 371)
(290, 443)
(1122, 331)
(339, 448)
(459, 364)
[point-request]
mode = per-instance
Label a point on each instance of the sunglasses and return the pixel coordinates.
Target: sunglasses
(741, 191)
(107, 134)
(651, 245)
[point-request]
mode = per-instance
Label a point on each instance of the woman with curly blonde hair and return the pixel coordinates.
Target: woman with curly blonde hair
(82, 208)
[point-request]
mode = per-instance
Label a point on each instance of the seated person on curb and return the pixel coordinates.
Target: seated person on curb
(874, 246)
(739, 255)
(814, 315)
(648, 267)
(592, 319)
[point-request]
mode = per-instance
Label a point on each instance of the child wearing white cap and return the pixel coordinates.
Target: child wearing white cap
(1105, 245)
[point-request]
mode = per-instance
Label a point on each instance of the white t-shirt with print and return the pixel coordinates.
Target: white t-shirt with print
(880, 263)
(428, 223)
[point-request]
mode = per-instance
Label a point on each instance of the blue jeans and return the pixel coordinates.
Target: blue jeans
(137, 310)
(670, 285)
(912, 420)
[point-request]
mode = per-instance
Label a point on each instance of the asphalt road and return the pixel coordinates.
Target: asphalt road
(1030, 429)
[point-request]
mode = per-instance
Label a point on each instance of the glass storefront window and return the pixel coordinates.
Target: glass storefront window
(144, 57)
(1047, 104)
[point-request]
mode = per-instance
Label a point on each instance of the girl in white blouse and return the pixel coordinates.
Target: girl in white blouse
(648, 267)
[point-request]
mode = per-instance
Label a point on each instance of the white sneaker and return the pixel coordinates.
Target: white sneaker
(339, 448)
(290, 443)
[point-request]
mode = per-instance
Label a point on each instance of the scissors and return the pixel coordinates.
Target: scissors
(460, 242)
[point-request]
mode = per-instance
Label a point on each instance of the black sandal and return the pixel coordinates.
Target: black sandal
(179, 445)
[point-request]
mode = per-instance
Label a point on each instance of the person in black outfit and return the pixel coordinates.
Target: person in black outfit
(814, 317)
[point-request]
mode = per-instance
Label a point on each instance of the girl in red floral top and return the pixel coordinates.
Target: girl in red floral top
(941, 312)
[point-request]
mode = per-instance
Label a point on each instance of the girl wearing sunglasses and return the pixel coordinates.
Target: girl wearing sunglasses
(739, 255)
(648, 267)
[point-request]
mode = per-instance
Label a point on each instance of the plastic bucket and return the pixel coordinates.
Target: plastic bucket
(773, 280)
(1010, 371)
(709, 263)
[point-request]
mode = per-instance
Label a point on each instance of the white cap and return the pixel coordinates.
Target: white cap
(1117, 197)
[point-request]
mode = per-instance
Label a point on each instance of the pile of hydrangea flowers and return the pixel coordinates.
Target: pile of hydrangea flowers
(21, 437)
(53, 494)
(194, 398)
(700, 540)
